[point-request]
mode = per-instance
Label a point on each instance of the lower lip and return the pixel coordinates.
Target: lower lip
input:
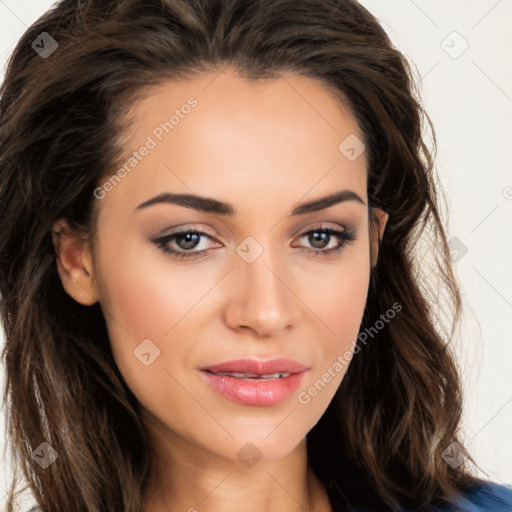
(254, 392)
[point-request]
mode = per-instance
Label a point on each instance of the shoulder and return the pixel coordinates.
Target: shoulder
(485, 497)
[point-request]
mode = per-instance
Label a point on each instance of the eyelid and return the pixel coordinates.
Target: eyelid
(344, 234)
(193, 228)
(329, 225)
(189, 228)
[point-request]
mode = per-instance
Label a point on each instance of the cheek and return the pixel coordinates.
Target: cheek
(340, 307)
(339, 292)
(145, 289)
(144, 298)
(339, 303)
(147, 298)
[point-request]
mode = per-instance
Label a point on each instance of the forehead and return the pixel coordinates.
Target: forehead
(222, 136)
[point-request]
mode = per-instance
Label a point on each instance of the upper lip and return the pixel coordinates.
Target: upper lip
(279, 365)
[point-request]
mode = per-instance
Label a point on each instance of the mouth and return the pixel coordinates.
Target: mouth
(252, 382)
(255, 368)
(251, 376)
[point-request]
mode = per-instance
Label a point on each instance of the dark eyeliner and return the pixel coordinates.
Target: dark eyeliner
(163, 243)
(344, 236)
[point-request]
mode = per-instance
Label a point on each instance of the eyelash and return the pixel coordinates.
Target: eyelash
(344, 236)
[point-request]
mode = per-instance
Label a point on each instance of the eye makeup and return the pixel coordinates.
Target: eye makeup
(182, 244)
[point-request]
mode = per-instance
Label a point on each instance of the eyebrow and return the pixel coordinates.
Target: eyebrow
(210, 205)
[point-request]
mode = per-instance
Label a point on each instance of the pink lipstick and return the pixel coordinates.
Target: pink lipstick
(252, 382)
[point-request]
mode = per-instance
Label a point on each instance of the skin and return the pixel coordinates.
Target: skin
(265, 148)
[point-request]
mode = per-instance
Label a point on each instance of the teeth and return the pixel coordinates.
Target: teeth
(281, 375)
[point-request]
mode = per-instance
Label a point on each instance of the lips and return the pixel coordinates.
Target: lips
(252, 366)
(253, 382)
(252, 376)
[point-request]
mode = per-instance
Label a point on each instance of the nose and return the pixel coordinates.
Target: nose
(262, 298)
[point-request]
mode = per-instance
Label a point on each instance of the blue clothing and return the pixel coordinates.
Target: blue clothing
(486, 497)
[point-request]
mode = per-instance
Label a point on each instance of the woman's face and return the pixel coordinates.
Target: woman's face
(266, 282)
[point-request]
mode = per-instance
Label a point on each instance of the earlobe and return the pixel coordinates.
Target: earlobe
(74, 264)
(379, 221)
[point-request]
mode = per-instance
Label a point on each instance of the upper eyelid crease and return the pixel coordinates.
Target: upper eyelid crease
(338, 232)
(210, 205)
(344, 236)
(321, 226)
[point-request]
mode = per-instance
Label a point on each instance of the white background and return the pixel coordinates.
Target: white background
(469, 99)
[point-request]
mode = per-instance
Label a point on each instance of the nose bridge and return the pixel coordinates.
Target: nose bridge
(263, 300)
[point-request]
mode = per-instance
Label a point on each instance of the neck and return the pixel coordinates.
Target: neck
(187, 477)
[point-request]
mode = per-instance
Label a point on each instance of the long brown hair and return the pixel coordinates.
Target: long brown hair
(380, 442)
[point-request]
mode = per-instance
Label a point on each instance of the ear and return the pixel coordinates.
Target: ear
(74, 264)
(379, 219)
